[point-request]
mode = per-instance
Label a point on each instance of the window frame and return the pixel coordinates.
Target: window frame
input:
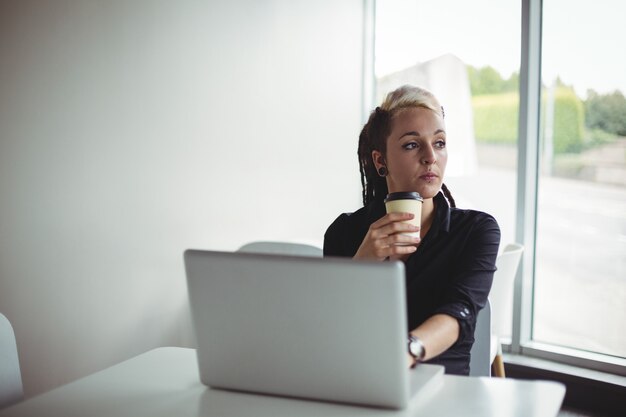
(526, 214)
(521, 342)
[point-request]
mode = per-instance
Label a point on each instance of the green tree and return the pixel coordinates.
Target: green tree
(606, 112)
(512, 83)
(487, 80)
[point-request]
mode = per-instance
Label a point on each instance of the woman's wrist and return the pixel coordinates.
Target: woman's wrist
(416, 349)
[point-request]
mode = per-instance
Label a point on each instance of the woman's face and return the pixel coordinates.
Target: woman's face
(416, 152)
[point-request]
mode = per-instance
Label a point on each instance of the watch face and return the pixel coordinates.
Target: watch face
(416, 348)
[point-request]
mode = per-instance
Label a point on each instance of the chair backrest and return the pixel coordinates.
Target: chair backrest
(501, 295)
(480, 361)
(10, 377)
(282, 248)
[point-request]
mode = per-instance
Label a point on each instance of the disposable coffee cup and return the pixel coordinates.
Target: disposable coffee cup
(406, 202)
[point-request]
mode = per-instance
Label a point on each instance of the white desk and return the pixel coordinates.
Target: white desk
(165, 382)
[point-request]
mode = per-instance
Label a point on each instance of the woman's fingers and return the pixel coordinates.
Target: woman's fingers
(402, 250)
(400, 233)
(390, 218)
(393, 252)
(392, 226)
(389, 236)
(401, 239)
(398, 244)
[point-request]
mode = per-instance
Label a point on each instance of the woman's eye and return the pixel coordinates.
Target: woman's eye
(410, 145)
(440, 144)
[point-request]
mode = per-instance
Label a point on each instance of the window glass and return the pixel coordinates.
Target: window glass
(468, 55)
(580, 278)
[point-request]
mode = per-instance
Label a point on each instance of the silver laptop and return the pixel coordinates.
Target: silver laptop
(330, 329)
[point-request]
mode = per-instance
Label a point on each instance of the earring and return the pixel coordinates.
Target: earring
(382, 171)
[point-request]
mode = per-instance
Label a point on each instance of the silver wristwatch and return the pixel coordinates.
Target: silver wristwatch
(416, 349)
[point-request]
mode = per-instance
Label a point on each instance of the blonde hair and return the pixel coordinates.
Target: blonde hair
(411, 96)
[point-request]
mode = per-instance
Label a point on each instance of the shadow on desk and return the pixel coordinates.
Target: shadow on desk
(165, 382)
(229, 403)
(457, 398)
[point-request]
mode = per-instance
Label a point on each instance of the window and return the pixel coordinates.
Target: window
(580, 278)
(468, 54)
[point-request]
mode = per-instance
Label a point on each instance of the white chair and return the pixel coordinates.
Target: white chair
(11, 390)
(282, 248)
(501, 297)
(480, 361)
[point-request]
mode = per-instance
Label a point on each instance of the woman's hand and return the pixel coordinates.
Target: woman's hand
(384, 239)
(412, 361)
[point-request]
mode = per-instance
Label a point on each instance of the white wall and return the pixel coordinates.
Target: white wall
(132, 130)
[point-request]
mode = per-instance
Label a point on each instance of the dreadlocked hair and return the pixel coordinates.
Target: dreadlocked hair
(448, 195)
(373, 137)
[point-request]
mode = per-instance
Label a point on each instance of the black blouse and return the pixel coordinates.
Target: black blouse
(450, 272)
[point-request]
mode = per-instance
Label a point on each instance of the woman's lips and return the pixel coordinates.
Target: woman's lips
(428, 177)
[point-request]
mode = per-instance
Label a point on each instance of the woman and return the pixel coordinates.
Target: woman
(449, 269)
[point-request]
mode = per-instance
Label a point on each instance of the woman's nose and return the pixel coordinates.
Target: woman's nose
(428, 157)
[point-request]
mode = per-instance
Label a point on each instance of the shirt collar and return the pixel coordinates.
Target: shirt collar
(441, 222)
